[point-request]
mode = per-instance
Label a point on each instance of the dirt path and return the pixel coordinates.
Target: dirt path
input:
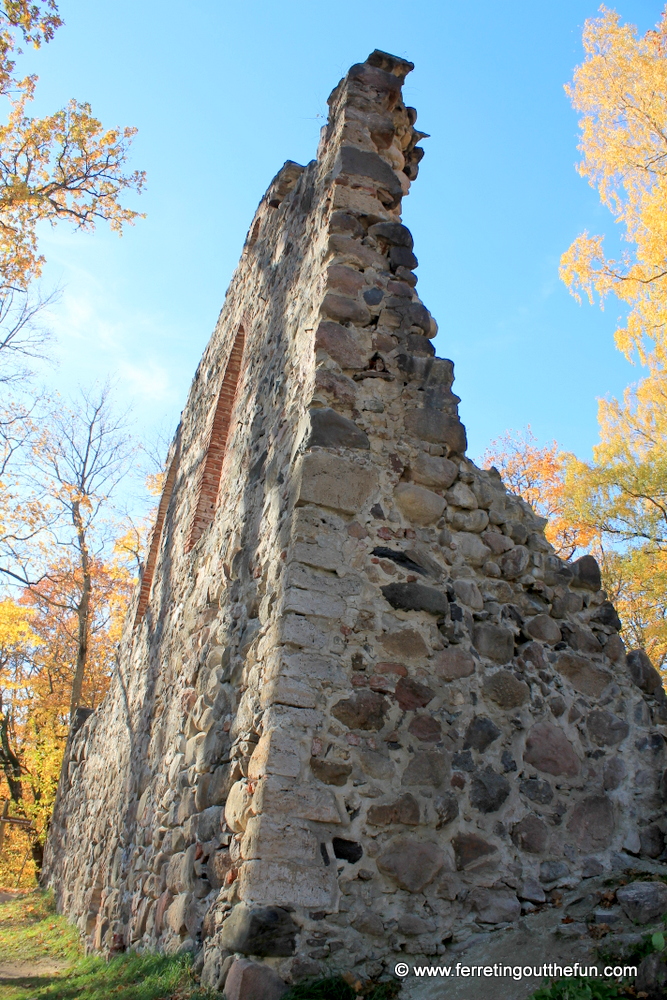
(36, 969)
(29, 975)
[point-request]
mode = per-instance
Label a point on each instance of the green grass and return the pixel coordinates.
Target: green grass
(128, 977)
(30, 930)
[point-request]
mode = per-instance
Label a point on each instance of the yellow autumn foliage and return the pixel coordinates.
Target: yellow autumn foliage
(621, 90)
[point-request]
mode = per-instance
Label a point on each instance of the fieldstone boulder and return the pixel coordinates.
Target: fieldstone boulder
(586, 573)
(345, 309)
(426, 767)
(259, 930)
(248, 980)
(345, 279)
(468, 592)
(404, 810)
(514, 563)
(411, 863)
(340, 345)
(470, 848)
(364, 710)
(392, 233)
(471, 547)
(217, 867)
(453, 663)
(651, 841)
(551, 871)
(489, 790)
(606, 615)
(461, 495)
(416, 597)
(531, 834)
(417, 504)
(480, 734)
(494, 642)
(447, 809)
(584, 676)
(606, 729)
(368, 922)
(495, 906)
(506, 690)
(331, 772)
(613, 773)
(592, 823)
(404, 643)
(643, 672)
(544, 628)
(549, 750)
(238, 805)
(330, 429)
(361, 162)
(429, 470)
(537, 791)
(643, 901)
(438, 428)
(532, 891)
(411, 694)
(425, 728)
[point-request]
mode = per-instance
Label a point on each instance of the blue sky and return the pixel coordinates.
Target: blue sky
(223, 93)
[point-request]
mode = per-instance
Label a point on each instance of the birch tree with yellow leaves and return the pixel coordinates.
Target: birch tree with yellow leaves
(621, 91)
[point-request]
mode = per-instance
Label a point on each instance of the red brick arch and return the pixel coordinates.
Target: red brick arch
(211, 470)
(156, 538)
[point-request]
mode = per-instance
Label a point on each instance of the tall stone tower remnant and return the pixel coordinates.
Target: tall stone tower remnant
(360, 706)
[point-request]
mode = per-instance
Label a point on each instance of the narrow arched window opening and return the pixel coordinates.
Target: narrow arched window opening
(211, 470)
(156, 538)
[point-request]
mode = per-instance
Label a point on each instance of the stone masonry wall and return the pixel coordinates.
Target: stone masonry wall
(360, 707)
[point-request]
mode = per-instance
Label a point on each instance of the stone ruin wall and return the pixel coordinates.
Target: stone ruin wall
(360, 707)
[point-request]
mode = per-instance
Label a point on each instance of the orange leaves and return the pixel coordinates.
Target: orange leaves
(538, 475)
(64, 167)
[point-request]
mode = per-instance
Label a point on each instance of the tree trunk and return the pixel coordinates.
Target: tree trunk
(82, 611)
(11, 765)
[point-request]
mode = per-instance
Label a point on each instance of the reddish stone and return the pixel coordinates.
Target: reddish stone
(331, 772)
(391, 668)
(411, 694)
(404, 810)
(452, 663)
(583, 675)
(469, 848)
(381, 683)
(407, 643)
(161, 907)
(549, 750)
(345, 279)
(340, 345)
(425, 728)
(411, 863)
(364, 710)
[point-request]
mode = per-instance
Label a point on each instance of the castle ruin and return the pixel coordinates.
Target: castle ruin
(360, 709)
